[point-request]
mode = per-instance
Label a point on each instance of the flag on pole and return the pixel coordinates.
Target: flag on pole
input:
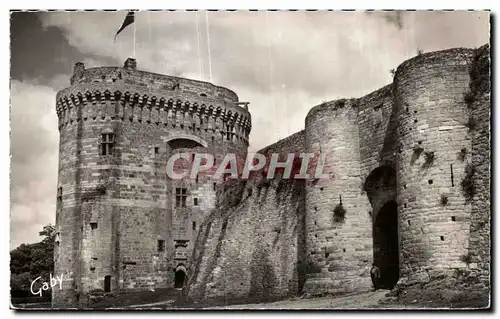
(129, 19)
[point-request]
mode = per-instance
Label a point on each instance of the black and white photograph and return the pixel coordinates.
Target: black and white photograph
(250, 160)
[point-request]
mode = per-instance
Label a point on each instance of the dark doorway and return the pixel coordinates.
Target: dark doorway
(180, 275)
(385, 245)
(107, 283)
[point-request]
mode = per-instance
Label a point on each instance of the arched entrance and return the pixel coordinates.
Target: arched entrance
(380, 187)
(385, 245)
(180, 276)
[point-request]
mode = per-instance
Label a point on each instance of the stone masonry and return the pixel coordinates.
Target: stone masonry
(406, 187)
(122, 225)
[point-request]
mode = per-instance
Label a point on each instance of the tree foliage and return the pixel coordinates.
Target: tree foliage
(29, 261)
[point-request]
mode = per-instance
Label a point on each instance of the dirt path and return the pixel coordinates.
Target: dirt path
(351, 301)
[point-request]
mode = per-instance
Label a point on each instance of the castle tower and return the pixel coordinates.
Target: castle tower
(434, 151)
(339, 242)
(122, 224)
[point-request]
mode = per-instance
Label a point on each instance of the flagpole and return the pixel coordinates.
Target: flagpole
(208, 44)
(134, 41)
(198, 40)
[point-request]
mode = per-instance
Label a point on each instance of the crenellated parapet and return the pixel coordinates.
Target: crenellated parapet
(103, 103)
(151, 81)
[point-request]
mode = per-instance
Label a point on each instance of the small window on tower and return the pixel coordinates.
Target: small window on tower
(180, 197)
(194, 225)
(93, 225)
(157, 150)
(107, 143)
(161, 245)
(195, 200)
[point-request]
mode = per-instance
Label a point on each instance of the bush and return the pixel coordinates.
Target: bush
(418, 150)
(462, 154)
(339, 213)
(429, 159)
(469, 98)
(444, 200)
(468, 186)
(471, 124)
(467, 258)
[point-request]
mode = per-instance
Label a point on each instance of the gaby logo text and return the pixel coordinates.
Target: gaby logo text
(53, 281)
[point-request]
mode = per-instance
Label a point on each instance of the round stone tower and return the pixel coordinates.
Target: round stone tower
(339, 245)
(434, 149)
(122, 224)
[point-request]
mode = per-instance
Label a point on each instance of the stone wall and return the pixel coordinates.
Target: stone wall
(480, 226)
(248, 248)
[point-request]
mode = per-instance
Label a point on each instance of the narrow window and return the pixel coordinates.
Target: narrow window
(453, 218)
(197, 178)
(451, 170)
(161, 245)
(180, 197)
(442, 238)
(194, 126)
(157, 150)
(215, 185)
(194, 225)
(107, 283)
(195, 200)
(107, 143)
(93, 225)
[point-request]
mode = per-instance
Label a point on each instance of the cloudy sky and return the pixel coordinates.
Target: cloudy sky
(283, 63)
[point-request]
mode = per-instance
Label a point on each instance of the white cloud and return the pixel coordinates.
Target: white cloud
(34, 150)
(284, 63)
